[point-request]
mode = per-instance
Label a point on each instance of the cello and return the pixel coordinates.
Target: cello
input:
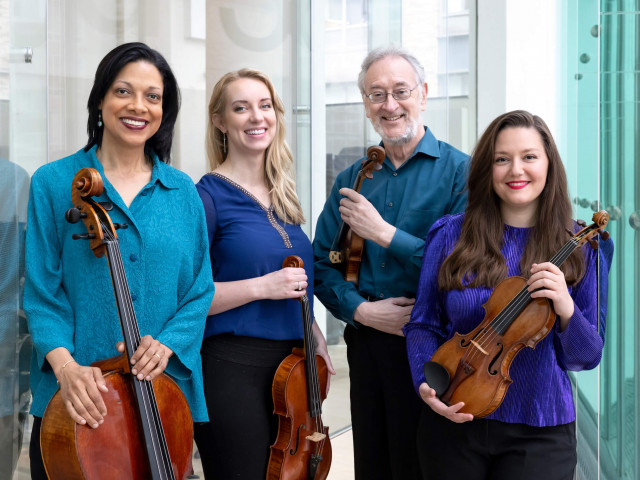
(302, 450)
(474, 368)
(347, 248)
(148, 433)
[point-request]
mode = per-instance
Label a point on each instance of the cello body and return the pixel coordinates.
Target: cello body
(116, 448)
(291, 452)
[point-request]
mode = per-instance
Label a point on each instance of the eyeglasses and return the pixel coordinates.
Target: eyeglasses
(380, 96)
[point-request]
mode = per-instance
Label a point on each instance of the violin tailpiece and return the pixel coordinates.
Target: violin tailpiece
(335, 256)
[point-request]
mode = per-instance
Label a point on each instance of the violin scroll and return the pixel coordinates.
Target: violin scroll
(587, 234)
(374, 160)
(293, 261)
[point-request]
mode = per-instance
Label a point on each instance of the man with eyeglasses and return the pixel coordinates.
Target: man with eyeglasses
(421, 180)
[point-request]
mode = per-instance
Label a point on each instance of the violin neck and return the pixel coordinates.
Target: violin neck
(341, 238)
(508, 314)
(155, 441)
(311, 366)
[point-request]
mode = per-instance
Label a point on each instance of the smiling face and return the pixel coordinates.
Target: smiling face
(520, 168)
(132, 107)
(396, 121)
(249, 118)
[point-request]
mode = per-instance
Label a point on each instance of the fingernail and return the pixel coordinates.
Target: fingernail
(140, 377)
(133, 361)
(95, 425)
(83, 421)
(148, 377)
(134, 371)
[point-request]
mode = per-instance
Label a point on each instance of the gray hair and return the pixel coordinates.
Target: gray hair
(389, 51)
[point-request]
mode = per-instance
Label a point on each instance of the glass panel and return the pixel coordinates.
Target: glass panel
(619, 147)
(23, 148)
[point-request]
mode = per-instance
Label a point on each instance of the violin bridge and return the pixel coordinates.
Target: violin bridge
(479, 347)
(335, 256)
(316, 437)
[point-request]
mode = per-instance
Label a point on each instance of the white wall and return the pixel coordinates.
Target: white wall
(518, 56)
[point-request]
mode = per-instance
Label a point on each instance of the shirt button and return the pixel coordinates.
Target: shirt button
(382, 265)
(133, 297)
(381, 295)
(390, 204)
(395, 174)
(133, 257)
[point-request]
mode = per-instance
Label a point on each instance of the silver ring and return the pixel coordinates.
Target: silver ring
(298, 286)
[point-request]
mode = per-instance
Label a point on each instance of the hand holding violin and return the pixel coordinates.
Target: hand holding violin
(452, 412)
(150, 358)
(547, 281)
(364, 219)
(288, 282)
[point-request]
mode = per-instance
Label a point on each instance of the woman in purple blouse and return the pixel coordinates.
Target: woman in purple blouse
(517, 218)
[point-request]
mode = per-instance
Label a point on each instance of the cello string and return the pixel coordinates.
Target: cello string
(148, 400)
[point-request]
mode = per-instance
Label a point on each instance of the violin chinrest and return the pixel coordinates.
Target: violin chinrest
(437, 377)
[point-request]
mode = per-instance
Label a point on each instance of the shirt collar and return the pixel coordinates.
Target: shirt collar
(428, 145)
(161, 172)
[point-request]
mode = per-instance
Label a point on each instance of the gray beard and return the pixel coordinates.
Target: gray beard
(410, 133)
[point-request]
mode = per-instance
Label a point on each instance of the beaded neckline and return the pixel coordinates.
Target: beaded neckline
(271, 216)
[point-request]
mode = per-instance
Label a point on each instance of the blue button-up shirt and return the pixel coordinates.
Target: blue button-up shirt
(69, 298)
(430, 184)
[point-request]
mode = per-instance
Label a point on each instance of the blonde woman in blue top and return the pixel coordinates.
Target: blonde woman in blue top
(68, 299)
(253, 219)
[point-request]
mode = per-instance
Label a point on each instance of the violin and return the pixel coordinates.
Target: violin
(148, 433)
(302, 449)
(347, 248)
(474, 368)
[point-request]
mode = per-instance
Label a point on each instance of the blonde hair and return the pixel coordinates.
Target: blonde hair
(279, 174)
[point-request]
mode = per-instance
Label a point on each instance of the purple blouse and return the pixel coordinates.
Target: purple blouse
(540, 394)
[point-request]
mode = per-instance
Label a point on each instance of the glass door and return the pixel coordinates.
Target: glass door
(23, 148)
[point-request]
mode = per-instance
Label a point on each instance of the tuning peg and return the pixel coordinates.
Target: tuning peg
(582, 223)
(83, 236)
(73, 215)
(120, 225)
(604, 235)
(594, 244)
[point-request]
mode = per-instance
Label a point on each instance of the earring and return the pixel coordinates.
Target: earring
(99, 119)
(224, 142)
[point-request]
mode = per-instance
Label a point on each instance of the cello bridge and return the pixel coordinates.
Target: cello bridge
(316, 437)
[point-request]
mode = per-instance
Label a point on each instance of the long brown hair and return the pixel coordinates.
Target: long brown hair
(279, 171)
(476, 259)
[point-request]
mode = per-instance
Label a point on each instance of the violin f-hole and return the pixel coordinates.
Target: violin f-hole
(292, 451)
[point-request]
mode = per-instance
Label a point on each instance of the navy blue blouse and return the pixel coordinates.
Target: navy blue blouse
(247, 240)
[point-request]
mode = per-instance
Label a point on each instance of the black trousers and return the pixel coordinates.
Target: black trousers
(384, 406)
(492, 450)
(36, 465)
(238, 374)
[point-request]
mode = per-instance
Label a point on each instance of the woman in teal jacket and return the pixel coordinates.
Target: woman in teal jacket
(69, 299)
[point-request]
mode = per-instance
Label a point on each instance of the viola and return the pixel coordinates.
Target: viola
(474, 368)
(302, 450)
(348, 247)
(148, 432)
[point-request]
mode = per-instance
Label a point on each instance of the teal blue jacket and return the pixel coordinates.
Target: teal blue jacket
(69, 298)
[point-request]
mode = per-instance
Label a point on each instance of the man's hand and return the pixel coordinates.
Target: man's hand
(363, 218)
(388, 315)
